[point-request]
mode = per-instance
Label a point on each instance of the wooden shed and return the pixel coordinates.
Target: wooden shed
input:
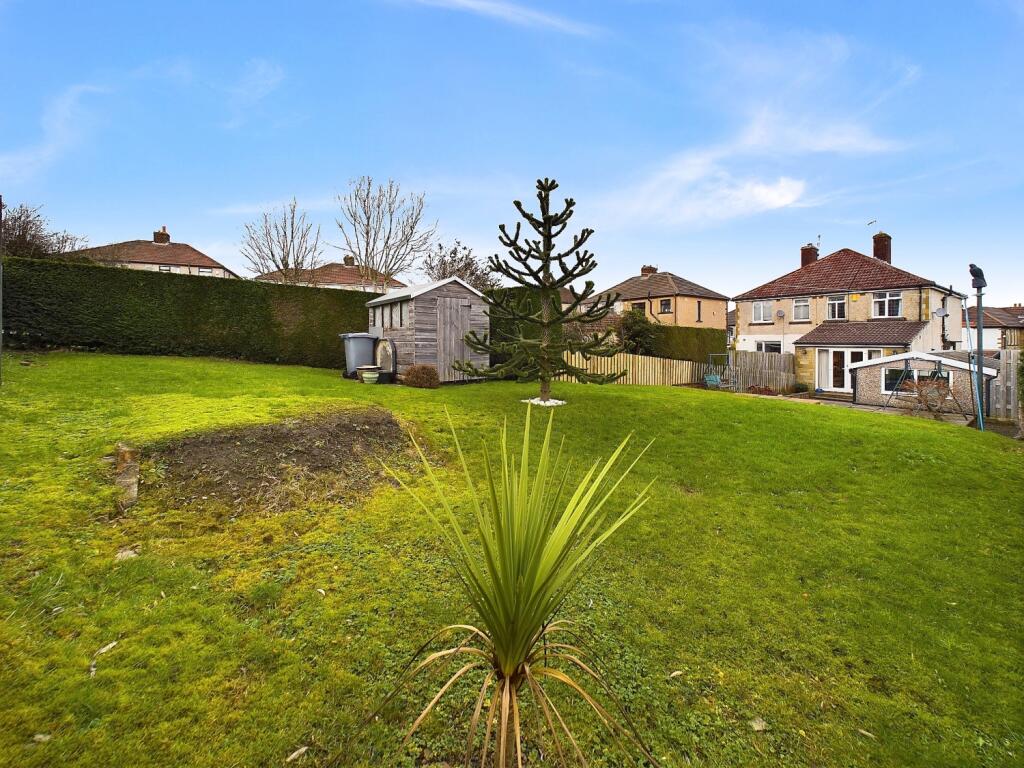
(428, 324)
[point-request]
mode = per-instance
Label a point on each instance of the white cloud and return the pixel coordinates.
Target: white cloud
(260, 78)
(791, 133)
(62, 125)
(514, 13)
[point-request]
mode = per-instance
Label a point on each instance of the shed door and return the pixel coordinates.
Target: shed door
(452, 327)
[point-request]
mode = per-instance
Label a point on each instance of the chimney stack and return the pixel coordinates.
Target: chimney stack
(350, 261)
(163, 236)
(808, 254)
(647, 269)
(883, 247)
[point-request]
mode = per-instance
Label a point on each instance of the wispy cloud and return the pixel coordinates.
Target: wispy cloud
(514, 13)
(246, 208)
(259, 79)
(63, 124)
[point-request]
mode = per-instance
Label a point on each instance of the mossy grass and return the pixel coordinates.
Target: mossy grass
(851, 579)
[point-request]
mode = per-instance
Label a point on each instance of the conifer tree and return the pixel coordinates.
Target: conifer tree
(535, 349)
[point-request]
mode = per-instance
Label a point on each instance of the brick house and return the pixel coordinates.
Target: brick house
(668, 299)
(337, 275)
(846, 308)
(157, 255)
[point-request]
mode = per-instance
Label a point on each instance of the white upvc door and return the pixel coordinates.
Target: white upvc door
(833, 367)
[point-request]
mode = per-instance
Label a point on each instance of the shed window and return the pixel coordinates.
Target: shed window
(836, 307)
(894, 378)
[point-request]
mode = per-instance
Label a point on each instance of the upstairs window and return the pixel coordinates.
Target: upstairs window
(887, 304)
(836, 307)
(665, 307)
(206, 270)
(801, 309)
(165, 268)
(761, 312)
(699, 320)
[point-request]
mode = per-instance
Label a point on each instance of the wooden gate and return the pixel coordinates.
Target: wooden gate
(452, 326)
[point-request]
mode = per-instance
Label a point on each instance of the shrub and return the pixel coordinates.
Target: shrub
(800, 387)
(694, 344)
(637, 333)
(53, 303)
(528, 545)
(422, 376)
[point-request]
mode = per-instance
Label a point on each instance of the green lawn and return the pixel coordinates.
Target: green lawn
(854, 580)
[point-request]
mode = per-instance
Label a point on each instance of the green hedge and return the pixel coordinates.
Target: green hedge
(687, 343)
(54, 303)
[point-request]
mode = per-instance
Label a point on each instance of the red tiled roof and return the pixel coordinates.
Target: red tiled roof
(661, 284)
(844, 270)
(148, 252)
(998, 317)
(869, 333)
(335, 273)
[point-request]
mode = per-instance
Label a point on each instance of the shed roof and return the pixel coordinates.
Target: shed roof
(931, 357)
(412, 291)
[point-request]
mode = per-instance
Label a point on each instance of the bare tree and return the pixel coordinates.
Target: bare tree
(383, 229)
(457, 260)
(27, 233)
(283, 243)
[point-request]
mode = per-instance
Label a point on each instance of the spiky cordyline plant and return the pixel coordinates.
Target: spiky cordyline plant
(536, 533)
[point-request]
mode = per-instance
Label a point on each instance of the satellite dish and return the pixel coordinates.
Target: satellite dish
(780, 314)
(941, 312)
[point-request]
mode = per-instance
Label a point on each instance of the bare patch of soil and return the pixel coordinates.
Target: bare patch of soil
(275, 465)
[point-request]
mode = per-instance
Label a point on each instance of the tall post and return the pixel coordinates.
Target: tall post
(978, 281)
(980, 355)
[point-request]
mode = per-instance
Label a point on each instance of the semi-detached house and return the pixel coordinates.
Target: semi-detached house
(845, 308)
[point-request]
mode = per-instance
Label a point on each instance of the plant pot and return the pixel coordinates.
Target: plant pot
(370, 377)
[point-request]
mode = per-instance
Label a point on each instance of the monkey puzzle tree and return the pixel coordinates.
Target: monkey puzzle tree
(534, 350)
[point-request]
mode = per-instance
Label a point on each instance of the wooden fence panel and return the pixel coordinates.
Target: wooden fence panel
(1005, 388)
(755, 369)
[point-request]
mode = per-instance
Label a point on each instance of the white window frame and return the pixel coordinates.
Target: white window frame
(758, 314)
(760, 346)
(833, 302)
(165, 268)
(803, 303)
(885, 298)
(206, 270)
(915, 375)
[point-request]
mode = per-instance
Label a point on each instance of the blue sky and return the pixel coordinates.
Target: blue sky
(709, 138)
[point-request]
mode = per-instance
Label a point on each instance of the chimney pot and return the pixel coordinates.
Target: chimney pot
(883, 247)
(647, 269)
(808, 254)
(162, 236)
(349, 261)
